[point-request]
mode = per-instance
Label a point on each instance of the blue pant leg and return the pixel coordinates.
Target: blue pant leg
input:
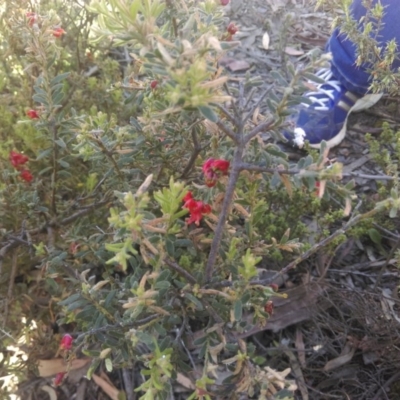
(353, 77)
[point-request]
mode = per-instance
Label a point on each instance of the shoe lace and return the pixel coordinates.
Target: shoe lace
(325, 95)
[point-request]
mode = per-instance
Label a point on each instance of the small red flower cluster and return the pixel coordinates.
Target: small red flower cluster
(153, 84)
(274, 287)
(213, 169)
(231, 29)
(66, 342)
(269, 307)
(196, 209)
(57, 381)
(58, 32)
(31, 17)
(32, 114)
(18, 161)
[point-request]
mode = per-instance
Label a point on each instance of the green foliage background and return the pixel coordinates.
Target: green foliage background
(90, 247)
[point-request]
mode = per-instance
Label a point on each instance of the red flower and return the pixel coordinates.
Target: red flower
(66, 342)
(213, 169)
(18, 159)
(224, 2)
(274, 287)
(32, 114)
(59, 378)
(58, 32)
(31, 17)
(196, 209)
(26, 175)
(153, 84)
(269, 307)
(232, 28)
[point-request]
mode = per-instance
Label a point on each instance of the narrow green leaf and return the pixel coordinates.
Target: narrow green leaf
(195, 301)
(238, 310)
(59, 78)
(208, 113)
(61, 143)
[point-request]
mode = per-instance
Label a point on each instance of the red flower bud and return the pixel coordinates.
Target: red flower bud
(31, 17)
(232, 28)
(153, 84)
(66, 342)
(213, 169)
(59, 378)
(58, 32)
(26, 175)
(18, 159)
(269, 307)
(224, 2)
(274, 287)
(32, 114)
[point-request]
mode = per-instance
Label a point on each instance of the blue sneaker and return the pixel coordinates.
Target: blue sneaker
(326, 117)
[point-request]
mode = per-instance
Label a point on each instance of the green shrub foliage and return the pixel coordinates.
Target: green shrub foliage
(140, 202)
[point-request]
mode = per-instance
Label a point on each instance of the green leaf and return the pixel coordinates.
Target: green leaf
(44, 153)
(208, 113)
(70, 299)
(169, 244)
(164, 275)
(59, 78)
(110, 298)
(61, 143)
(162, 285)
(375, 236)
(109, 365)
(238, 310)
(40, 98)
(63, 163)
(95, 363)
(57, 97)
(195, 301)
(77, 304)
(313, 78)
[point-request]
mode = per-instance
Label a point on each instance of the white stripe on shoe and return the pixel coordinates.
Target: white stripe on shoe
(361, 104)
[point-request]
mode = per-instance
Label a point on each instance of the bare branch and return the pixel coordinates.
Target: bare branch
(228, 131)
(264, 126)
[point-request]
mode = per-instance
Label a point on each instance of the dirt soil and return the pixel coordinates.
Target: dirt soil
(338, 330)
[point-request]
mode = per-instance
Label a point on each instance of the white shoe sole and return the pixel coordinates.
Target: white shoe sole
(362, 104)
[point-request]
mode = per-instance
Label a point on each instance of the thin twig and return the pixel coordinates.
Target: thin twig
(250, 96)
(388, 258)
(264, 126)
(197, 148)
(230, 190)
(14, 242)
(258, 168)
(228, 131)
(81, 213)
(54, 131)
(378, 394)
(233, 104)
(321, 244)
(13, 273)
(173, 265)
(251, 112)
(227, 114)
(119, 326)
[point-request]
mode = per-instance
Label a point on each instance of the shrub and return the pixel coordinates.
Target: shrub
(141, 197)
